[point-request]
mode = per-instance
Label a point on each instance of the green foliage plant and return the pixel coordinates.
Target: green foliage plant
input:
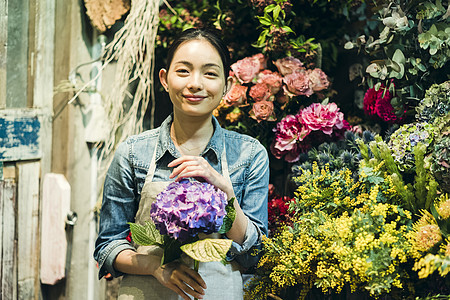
(416, 190)
(409, 51)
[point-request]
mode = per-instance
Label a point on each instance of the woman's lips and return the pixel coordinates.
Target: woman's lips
(194, 98)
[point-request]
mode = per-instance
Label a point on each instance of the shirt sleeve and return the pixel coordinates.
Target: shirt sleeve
(119, 206)
(254, 206)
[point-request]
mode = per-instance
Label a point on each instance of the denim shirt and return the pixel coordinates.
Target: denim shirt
(248, 165)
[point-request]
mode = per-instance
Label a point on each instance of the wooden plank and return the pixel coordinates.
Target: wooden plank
(9, 171)
(55, 206)
(20, 134)
(17, 64)
(31, 52)
(62, 57)
(9, 243)
(3, 50)
(2, 182)
(28, 248)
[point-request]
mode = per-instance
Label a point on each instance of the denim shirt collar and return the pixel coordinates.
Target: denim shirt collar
(165, 143)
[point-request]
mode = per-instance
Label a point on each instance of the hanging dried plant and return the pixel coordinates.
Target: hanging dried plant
(133, 50)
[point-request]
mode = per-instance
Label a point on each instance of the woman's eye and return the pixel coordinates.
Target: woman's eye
(182, 71)
(213, 74)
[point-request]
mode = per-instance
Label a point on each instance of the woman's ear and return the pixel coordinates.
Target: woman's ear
(228, 85)
(163, 79)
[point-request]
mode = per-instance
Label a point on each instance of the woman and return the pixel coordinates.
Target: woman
(189, 143)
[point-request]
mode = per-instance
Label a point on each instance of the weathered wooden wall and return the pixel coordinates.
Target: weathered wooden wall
(41, 41)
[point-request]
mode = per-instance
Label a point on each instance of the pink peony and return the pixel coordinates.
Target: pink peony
(247, 68)
(273, 80)
(262, 110)
(288, 133)
(288, 65)
(323, 117)
(319, 80)
(237, 95)
(260, 92)
(298, 83)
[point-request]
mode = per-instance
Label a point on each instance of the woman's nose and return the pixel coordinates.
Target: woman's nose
(195, 82)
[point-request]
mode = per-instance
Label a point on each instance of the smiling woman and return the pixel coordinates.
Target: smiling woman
(189, 144)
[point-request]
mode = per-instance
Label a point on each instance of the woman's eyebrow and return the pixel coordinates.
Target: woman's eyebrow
(187, 63)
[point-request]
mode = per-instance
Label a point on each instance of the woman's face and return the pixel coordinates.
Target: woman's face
(195, 80)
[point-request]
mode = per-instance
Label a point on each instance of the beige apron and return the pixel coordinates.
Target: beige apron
(222, 281)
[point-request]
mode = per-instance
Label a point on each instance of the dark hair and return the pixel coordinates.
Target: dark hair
(197, 34)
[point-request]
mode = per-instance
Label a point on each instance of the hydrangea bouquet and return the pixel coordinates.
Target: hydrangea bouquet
(181, 212)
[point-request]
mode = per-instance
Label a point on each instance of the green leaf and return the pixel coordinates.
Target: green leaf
(349, 45)
(399, 57)
(145, 235)
(270, 8)
(276, 12)
(265, 21)
(208, 250)
(287, 29)
(229, 217)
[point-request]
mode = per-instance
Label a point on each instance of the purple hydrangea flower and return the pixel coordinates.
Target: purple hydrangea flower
(188, 207)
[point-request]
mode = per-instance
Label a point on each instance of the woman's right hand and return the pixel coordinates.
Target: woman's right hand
(181, 279)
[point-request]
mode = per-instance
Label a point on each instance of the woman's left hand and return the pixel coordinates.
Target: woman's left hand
(198, 167)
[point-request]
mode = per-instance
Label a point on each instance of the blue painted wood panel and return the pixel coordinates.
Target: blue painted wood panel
(20, 135)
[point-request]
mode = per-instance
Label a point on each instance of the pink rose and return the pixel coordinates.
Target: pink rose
(323, 117)
(288, 65)
(319, 80)
(273, 80)
(237, 95)
(298, 83)
(247, 68)
(262, 110)
(262, 60)
(260, 92)
(288, 133)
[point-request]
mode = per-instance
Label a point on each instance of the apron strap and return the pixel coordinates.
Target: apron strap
(152, 168)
